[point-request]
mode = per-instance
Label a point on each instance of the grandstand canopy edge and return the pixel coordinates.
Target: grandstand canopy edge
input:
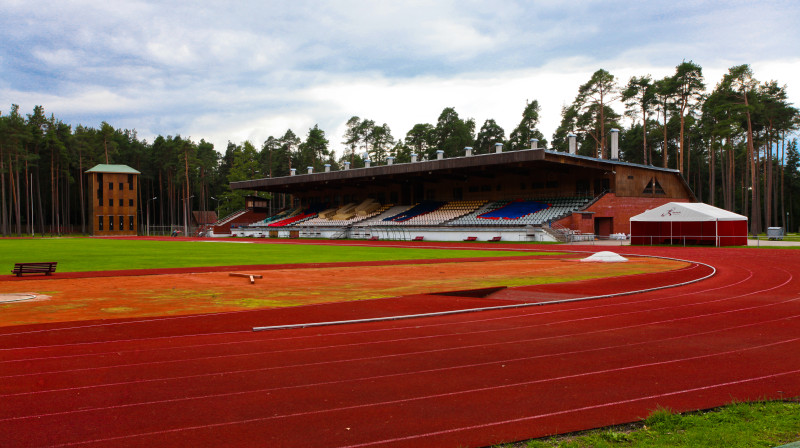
(533, 173)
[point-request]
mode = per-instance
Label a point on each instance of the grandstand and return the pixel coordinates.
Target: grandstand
(526, 195)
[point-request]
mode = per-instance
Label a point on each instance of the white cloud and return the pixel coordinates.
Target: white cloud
(251, 69)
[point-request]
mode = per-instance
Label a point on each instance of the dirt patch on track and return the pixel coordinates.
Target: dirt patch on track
(180, 294)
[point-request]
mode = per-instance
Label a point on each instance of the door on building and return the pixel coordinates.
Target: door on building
(603, 227)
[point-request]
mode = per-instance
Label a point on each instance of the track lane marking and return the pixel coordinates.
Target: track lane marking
(484, 389)
(416, 372)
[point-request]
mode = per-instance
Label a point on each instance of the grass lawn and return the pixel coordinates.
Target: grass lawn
(759, 424)
(90, 254)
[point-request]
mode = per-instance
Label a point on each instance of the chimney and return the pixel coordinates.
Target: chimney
(573, 143)
(310, 169)
(498, 147)
(389, 160)
(468, 151)
(614, 144)
(534, 143)
(293, 171)
(347, 165)
(413, 157)
(327, 167)
(439, 155)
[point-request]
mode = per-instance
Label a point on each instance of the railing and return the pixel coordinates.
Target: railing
(230, 217)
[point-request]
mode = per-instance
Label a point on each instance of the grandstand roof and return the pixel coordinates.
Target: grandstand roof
(484, 165)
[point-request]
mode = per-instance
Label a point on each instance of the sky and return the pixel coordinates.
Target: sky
(247, 70)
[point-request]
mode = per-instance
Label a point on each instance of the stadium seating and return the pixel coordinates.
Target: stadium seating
(522, 212)
(323, 221)
(418, 210)
(309, 213)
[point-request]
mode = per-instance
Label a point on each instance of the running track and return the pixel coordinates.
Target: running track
(472, 379)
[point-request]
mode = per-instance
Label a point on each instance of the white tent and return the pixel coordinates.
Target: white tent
(688, 211)
(689, 222)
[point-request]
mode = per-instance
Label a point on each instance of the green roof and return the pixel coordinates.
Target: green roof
(102, 168)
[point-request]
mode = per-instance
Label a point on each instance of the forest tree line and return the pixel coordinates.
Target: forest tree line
(734, 144)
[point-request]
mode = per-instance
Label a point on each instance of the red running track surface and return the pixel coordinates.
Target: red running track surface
(471, 379)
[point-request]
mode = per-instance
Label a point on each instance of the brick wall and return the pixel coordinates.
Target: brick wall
(620, 210)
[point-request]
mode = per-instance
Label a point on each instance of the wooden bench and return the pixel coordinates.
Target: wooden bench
(419, 238)
(34, 268)
(471, 238)
(497, 238)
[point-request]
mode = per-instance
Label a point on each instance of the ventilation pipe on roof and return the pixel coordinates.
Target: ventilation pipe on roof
(615, 144)
(413, 157)
(389, 160)
(439, 155)
(468, 151)
(310, 169)
(498, 147)
(327, 167)
(534, 143)
(573, 143)
(346, 165)
(293, 171)
(367, 163)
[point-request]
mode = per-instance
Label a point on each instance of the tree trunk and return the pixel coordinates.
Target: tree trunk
(681, 145)
(83, 196)
(755, 222)
(15, 192)
(711, 173)
(644, 136)
(28, 200)
(3, 210)
(664, 149)
(783, 193)
(39, 206)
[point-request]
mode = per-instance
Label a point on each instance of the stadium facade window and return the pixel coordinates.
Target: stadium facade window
(121, 223)
(110, 186)
(130, 181)
(99, 223)
(120, 202)
(130, 202)
(110, 223)
(653, 187)
(130, 222)
(110, 202)
(121, 187)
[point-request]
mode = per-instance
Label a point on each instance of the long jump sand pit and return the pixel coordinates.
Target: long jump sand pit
(180, 294)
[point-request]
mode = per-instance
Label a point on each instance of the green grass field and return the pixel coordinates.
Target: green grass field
(745, 425)
(90, 254)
